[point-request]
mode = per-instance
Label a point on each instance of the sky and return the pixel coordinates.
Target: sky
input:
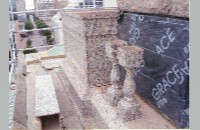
(29, 4)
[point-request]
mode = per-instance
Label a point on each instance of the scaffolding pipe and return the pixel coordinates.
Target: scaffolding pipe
(31, 11)
(51, 28)
(39, 47)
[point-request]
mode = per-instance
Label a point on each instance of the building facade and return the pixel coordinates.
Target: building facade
(42, 5)
(20, 5)
(59, 4)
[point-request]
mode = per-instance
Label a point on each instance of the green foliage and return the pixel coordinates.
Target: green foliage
(28, 43)
(28, 25)
(46, 33)
(49, 39)
(41, 24)
(29, 51)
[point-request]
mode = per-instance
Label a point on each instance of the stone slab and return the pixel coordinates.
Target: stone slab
(164, 79)
(53, 53)
(179, 8)
(32, 58)
(91, 22)
(51, 64)
(46, 100)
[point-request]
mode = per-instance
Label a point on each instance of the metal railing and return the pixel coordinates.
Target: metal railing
(12, 41)
(12, 30)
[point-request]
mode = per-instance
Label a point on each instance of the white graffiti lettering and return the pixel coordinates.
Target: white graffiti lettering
(165, 41)
(155, 94)
(175, 75)
(162, 102)
(134, 31)
(185, 70)
(168, 79)
(186, 49)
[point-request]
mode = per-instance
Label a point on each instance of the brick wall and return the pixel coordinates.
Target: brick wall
(85, 34)
(179, 8)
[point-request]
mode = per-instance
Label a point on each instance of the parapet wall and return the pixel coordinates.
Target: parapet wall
(85, 34)
(179, 8)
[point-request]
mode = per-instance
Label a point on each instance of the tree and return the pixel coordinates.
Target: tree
(29, 45)
(46, 33)
(49, 39)
(41, 24)
(28, 25)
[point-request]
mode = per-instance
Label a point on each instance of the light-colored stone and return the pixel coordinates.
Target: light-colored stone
(32, 58)
(130, 57)
(51, 66)
(114, 93)
(179, 8)
(87, 31)
(45, 100)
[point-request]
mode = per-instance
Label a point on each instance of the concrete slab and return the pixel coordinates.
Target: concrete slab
(32, 58)
(53, 53)
(51, 63)
(46, 100)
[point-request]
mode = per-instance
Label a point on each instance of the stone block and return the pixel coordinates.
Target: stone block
(32, 58)
(45, 100)
(87, 31)
(91, 23)
(179, 8)
(112, 46)
(130, 56)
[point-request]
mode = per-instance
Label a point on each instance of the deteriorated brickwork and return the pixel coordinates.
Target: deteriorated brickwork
(179, 8)
(85, 34)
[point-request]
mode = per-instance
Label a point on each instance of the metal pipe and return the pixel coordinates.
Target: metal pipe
(40, 47)
(51, 28)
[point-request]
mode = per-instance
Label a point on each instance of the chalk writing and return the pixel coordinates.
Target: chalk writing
(134, 31)
(165, 42)
(172, 77)
(186, 49)
(164, 80)
(161, 102)
(136, 17)
(175, 75)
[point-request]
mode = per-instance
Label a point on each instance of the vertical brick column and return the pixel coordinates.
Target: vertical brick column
(85, 35)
